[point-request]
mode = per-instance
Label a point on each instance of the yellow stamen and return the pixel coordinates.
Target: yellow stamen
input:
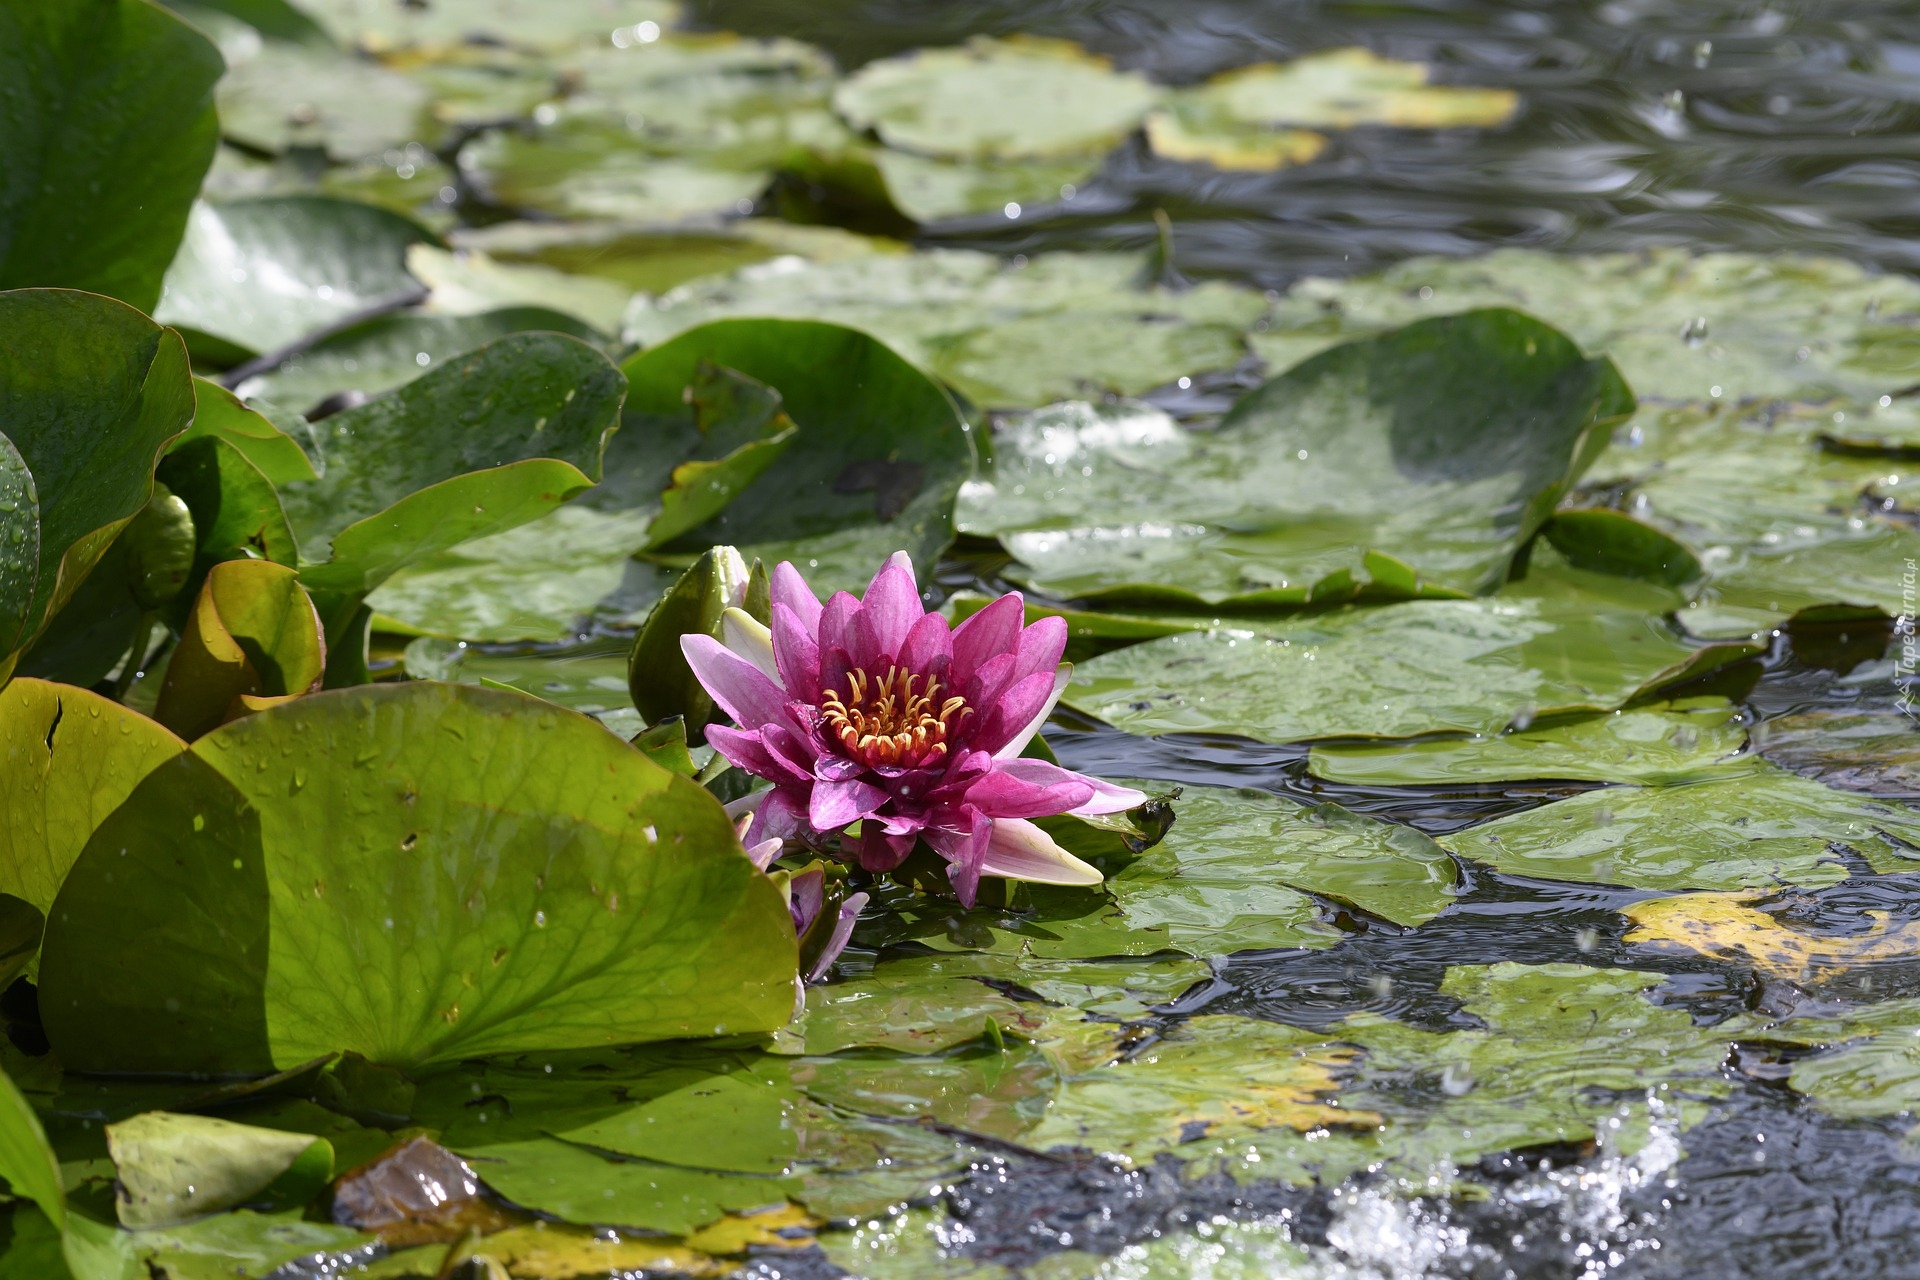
(891, 721)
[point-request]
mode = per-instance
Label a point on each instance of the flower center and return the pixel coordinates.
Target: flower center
(899, 720)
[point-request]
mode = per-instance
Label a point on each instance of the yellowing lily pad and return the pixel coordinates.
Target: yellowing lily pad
(1342, 88)
(1182, 134)
(1727, 926)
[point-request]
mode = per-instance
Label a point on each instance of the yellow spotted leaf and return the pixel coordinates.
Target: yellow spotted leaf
(1727, 926)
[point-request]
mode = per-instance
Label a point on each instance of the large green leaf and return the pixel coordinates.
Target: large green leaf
(1441, 447)
(220, 413)
(254, 275)
(479, 445)
(880, 454)
(106, 129)
(496, 874)
(1759, 828)
(1562, 642)
(282, 95)
(1004, 334)
(91, 391)
(68, 757)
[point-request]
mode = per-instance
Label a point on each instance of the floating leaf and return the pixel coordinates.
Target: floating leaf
(470, 283)
(1728, 927)
(175, 1168)
(1678, 743)
(91, 391)
(283, 95)
(1869, 751)
(578, 1185)
(529, 862)
(1018, 99)
(1372, 467)
(378, 355)
(1877, 1076)
(1565, 642)
(1604, 541)
(1337, 89)
(1757, 829)
(110, 127)
(1004, 335)
(252, 641)
(1189, 132)
(1213, 1078)
(254, 275)
(68, 757)
(530, 24)
(929, 188)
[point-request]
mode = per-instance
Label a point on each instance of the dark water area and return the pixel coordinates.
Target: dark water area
(1757, 125)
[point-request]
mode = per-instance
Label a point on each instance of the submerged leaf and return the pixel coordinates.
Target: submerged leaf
(1727, 926)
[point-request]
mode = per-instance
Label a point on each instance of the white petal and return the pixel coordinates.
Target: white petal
(1019, 850)
(1108, 798)
(1021, 739)
(744, 636)
(764, 853)
(733, 573)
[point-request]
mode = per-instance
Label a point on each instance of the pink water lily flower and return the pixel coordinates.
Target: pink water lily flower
(877, 712)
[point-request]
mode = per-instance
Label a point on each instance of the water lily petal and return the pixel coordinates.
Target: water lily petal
(891, 605)
(748, 749)
(1018, 850)
(1108, 798)
(795, 654)
(1013, 711)
(790, 589)
(964, 846)
(1029, 789)
(764, 853)
(1018, 742)
(842, 934)
(928, 649)
(835, 616)
(986, 635)
(836, 804)
(742, 633)
(742, 689)
(1042, 644)
(881, 849)
(806, 894)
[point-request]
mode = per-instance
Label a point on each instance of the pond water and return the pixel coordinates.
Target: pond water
(1542, 897)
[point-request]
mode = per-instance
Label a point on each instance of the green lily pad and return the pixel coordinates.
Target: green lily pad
(243, 1243)
(1018, 99)
(1869, 751)
(91, 392)
(254, 275)
(1779, 524)
(173, 1168)
(470, 283)
(591, 169)
(110, 128)
(1188, 131)
(533, 412)
(528, 24)
(1677, 324)
(1376, 451)
(379, 355)
(1004, 335)
(927, 189)
(1566, 642)
(68, 757)
(1873, 1068)
(1676, 743)
(1223, 877)
(530, 864)
(869, 473)
(578, 1185)
(653, 259)
(1215, 1078)
(284, 95)
(1760, 828)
